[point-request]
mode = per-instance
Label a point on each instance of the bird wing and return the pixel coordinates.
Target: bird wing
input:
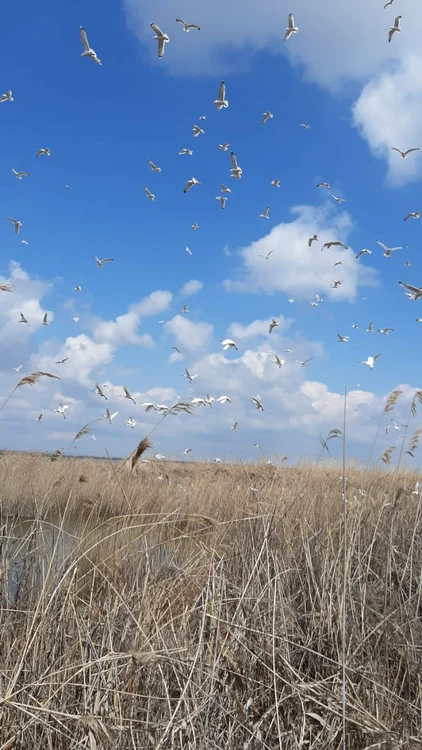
(84, 39)
(222, 91)
(194, 26)
(414, 289)
(291, 22)
(384, 247)
(307, 360)
(187, 186)
(151, 164)
(396, 149)
(161, 45)
(188, 375)
(178, 20)
(376, 357)
(106, 260)
(113, 415)
(407, 217)
(45, 318)
(127, 393)
(409, 150)
(233, 160)
(157, 29)
(397, 22)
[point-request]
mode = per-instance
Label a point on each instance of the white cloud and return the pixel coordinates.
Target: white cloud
(85, 357)
(258, 328)
(26, 298)
(189, 336)
(191, 287)
(388, 113)
(295, 268)
(122, 331)
(155, 303)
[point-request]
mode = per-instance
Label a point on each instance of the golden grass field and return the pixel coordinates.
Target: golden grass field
(192, 611)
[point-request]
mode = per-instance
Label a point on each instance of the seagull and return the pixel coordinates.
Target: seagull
(363, 252)
(388, 250)
(236, 171)
(67, 187)
(275, 183)
(289, 351)
(304, 126)
(304, 362)
(110, 416)
(88, 52)
(149, 195)
(202, 117)
(339, 263)
(273, 324)
(199, 401)
(24, 242)
(222, 200)
(403, 154)
(324, 185)
(257, 401)
(228, 344)
(225, 189)
(61, 409)
(17, 224)
(413, 215)
(99, 391)
(334, 244)
(149, 406)
(393, 426)
(188, 375)
(23, 319)
(342, 339)
(7, 97)
(266, 116)
(161, 38)
(415, 291)
(267, 255)
(395, 27)
(185, 151)
(223, 146)
(78, 288)
(385, 331)
(197, 130)
(19, 175)
(337, 200)
(221, 101)
(291, 301)
(185, 309)
(390, 2)
(355, 326)
(39, 418)
(419, 320)
(188, 251)
(43, 152)
(130, 422)
(319, 297)
(312, 239)
(335, 284)
(223, 400)
(154, 168)
(187, 451)
(61, 361)
(100, 263)
(44, 320)
(127, 394)
(370, 361)
(234, 427)
(190, 183)
(279, 362)
(188, 26)
(218, 460)
(291, 28)
(370, 329)
(17, 369)
(195, 226)
(265, 212)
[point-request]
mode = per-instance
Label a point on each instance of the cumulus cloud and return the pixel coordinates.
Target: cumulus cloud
(155, 303)
(295, 268)
(123, 330)
(191, 287)
(189, 336)
(258, 328)
(26, 298)
(85, 357)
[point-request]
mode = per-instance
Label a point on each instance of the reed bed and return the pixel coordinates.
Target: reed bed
(200, 606)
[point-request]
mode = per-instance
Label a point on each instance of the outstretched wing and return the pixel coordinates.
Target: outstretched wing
(84, 39)
(233, 161)
(291, 23)
(393, 147)
(409, 150)
(410, 288)
(222, 91)
(384, 247)
(178, 20)
(106, 260)
(157, 29)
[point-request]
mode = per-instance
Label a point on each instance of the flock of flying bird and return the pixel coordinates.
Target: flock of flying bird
(220, 103)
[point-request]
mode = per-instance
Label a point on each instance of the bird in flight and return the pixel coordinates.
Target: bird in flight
(304, 126)
(228, 344)
(279, 362)
(222, 200)
(363, 252)
(385, 331)
(312, 239)
(291, 28)
(185, 152)
(225, 189)
(395, 27)
(404, 154)
(88, 52)
(19, 175)
(223, 146)
(99, 391)
(127, 394)
(189, 252)
(17, 369)
(265, 213)
(61, 409)
(149, 195)
(39, 418)
(415, 291)
(335, 284)
(187, 26)
(45, 320)
(61, 361)
(17, 224)
(235, 171)
(100, 263)
(130, 422)
(336, 243)
(78, 288)
(275, 183)
(304, 362)
(7, 97)
(266, 116)
(337, 200)
(188, 375)
(342, 339)
(221, 101)
(267, 256)
(223, 400)
(23, 319)
(324, 185)
(43, 152)
(258, 403)
(187, 451)
(370, 361)
(273, 324)
(161, 38)
(195, 226)
(370, 329)
(185, 309)
(390, 2)
(412, 215)
(110, 416)
(196, 130)
(234, 427)
(154, 168)
(190, 183)
(388, 250)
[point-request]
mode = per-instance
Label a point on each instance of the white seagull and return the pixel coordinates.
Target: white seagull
(148, 194)
(127, 394)
(266, 116)
(304, 126)
(221, 101)
(23, 319)
(267, 256)
(390, 2)
(275, 183)
(228, 344)
(100, 263)
(363, 252)
(222, 199)
(234, 427)
(189, 252)
(130, 422)
(393, 28)
(190, 183)
(185, 152)
(385, 331)
(188, 375)
(196, 130)
(265, 213)
(235, 171)
(337, 200)
(223, 146)
(61, 361)
(257, 401)
(335, 284)
(312, 239)
(342, 339)
(273, 324)
(43, 152)
(61, 409)
(415, 291)
(78, 288)
(187, 451)
(195, 226)
(388, 250)
(304, 362)
(334, 244)
(39, 418)
(45, 320)
(324, 185)
(225, 189)
(370, 361)
(161, 38)
(17, 224)
(154, 168)
(99, 391)
(188, 26)
(413, 215)
(17, 369)
(279, 362)
(110, 416)
(291, 28)
(223, 400)
(185, 309)
(19, 175)
(370, 328)
(88, 52)
(404, 154)
(7, 97)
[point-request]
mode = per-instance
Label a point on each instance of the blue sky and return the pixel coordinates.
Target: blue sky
(102, 124)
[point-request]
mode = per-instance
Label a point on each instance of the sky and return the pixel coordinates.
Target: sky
(360, 96)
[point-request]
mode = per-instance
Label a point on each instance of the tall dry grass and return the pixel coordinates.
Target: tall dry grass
(175, 606)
